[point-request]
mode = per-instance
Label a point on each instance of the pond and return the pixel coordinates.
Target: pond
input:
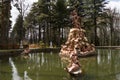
(48, 66)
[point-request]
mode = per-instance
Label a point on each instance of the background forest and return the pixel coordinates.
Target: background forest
(48, 22)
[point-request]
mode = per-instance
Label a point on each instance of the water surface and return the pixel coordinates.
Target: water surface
(48, 66)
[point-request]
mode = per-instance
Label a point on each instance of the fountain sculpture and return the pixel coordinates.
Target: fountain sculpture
(76, 45)
(77, 40)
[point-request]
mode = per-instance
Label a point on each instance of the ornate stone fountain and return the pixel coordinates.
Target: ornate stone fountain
(77, 40)
(77, 45)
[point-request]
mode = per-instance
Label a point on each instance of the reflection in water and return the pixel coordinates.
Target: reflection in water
(15, 75)
(43, 65)
(108, 63)
(26, 77)
(104, 56)
(98, 57)
(118, 76)
(48, 66)
(42, 59)
(109, 56)
(105, 66)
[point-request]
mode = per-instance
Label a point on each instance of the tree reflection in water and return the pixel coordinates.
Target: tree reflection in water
(48, 66)
(15, 75)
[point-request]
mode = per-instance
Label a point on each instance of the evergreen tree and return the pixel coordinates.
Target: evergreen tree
(16, 33)
(22, 7)
(90, 12)
(5, 23)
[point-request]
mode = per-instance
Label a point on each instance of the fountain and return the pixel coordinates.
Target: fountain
(77, 40)
(77, 45)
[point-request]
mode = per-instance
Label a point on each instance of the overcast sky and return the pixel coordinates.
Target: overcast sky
(112, 4)
(14, 11)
